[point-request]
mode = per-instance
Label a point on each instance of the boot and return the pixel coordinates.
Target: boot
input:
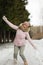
(25, 62)
(15, 61)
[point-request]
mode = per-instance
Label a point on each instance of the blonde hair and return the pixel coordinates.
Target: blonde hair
(27, 30)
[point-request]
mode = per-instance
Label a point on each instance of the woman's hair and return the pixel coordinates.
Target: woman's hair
(27, 30)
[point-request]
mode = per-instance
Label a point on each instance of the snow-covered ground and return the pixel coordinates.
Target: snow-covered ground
(33, 57)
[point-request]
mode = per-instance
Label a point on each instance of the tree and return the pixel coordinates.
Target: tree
(14, 10)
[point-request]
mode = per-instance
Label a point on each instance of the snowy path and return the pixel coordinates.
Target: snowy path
(7, 50)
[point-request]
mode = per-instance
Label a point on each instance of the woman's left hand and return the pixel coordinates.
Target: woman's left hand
(35, 48)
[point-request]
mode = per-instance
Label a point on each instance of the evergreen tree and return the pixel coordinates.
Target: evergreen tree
(15, 11)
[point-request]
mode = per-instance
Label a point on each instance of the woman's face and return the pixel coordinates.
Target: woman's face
(24, 27)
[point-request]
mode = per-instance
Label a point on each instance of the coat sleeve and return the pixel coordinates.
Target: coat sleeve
(9, 23)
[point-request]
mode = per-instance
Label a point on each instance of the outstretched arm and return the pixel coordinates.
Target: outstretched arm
(9, 23)
(30, 40)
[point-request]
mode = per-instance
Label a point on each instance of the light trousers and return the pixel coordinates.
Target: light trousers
(21, 51)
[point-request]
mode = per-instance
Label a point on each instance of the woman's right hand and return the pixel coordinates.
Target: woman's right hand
(35, 48)
(4, 18)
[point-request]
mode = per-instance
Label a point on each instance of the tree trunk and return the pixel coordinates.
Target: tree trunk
(4, 39)
(0, 36)
(9, 36)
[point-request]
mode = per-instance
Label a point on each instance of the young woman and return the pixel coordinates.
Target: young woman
(19, 41)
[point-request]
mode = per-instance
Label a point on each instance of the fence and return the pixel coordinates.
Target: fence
(36, 32)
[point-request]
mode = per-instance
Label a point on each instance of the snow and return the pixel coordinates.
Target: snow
(34, 57)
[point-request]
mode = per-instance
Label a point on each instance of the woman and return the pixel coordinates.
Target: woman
(19, 41)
